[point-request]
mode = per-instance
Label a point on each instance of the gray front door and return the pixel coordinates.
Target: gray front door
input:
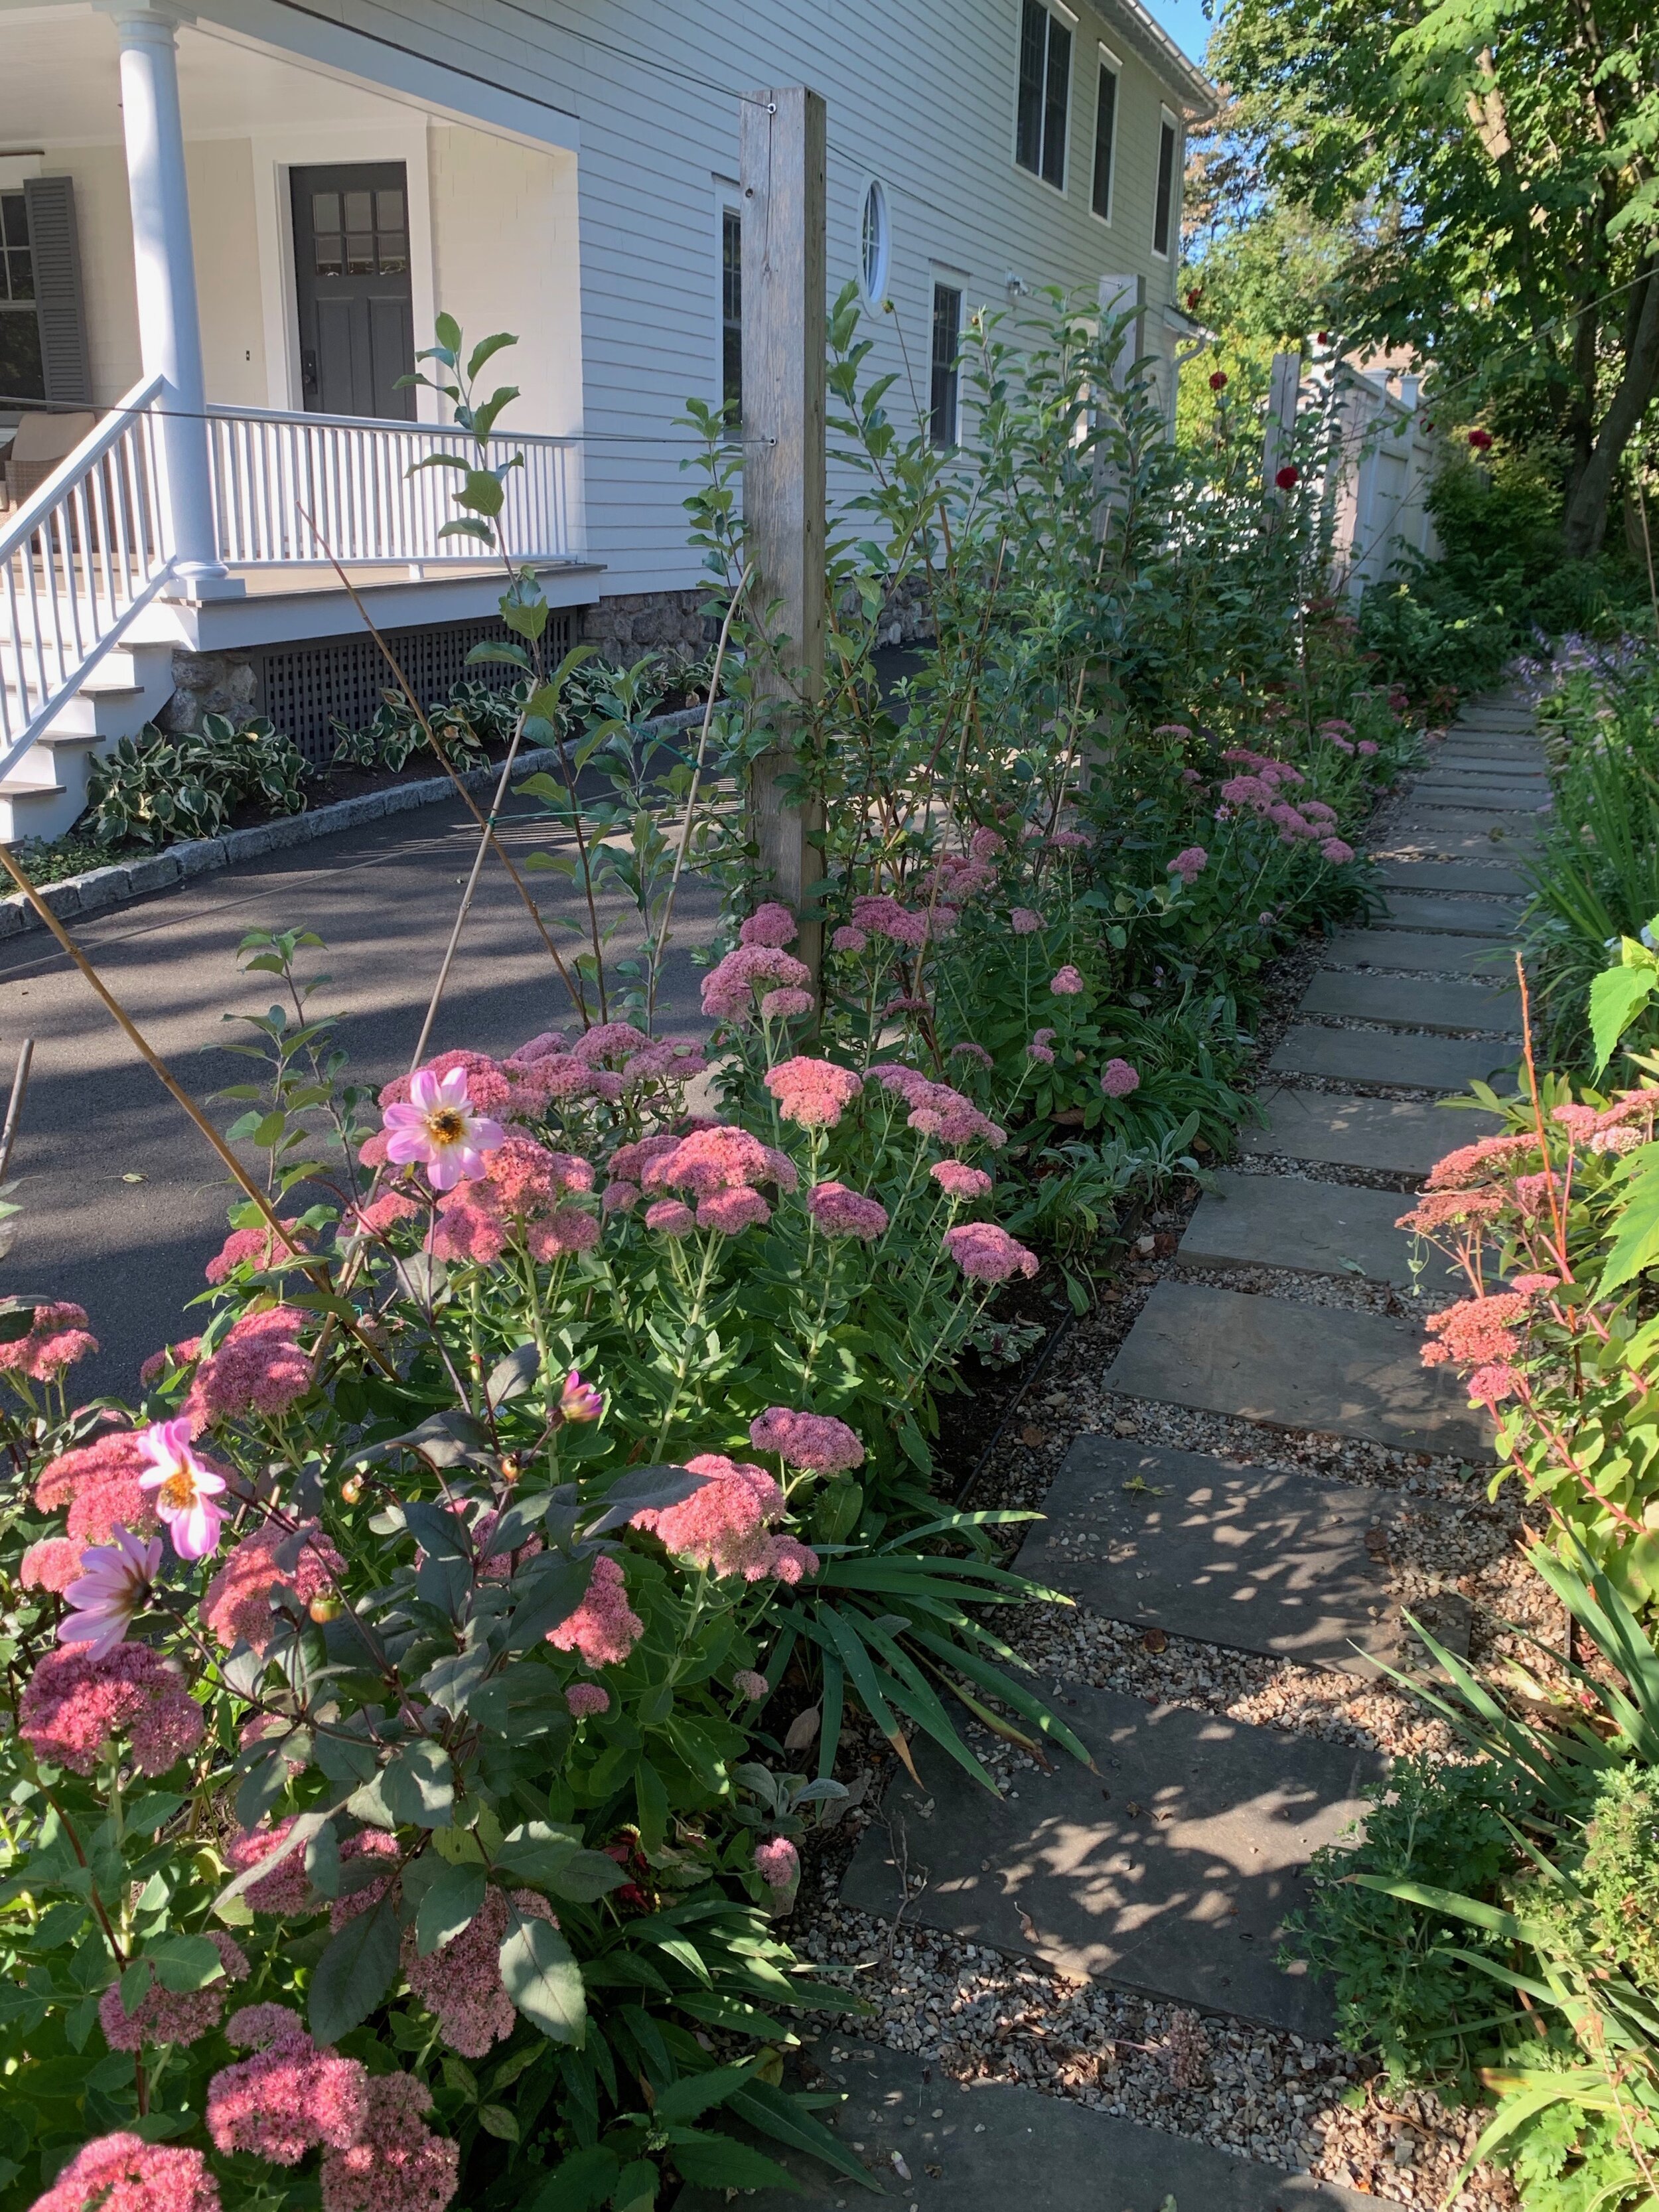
(351, 277)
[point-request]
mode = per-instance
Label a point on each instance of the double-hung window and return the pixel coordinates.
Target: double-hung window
(945, 388)
(732, 310)
(22, 373)
(1100, 195)
(1045, 88)
(1164, 205)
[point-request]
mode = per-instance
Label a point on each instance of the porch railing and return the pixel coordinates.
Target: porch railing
(77, 561)
(271, 470)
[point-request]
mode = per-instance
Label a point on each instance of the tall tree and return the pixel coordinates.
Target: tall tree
(1496, 161)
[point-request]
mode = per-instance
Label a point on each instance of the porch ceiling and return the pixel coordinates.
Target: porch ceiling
(60, 84)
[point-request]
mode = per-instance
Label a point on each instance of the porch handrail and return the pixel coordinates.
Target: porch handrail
(356, 477)
(82, 556)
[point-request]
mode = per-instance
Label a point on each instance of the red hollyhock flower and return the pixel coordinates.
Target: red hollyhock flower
(1219, 380)
(1288, 477)
(1480, 440)
(1193, 299)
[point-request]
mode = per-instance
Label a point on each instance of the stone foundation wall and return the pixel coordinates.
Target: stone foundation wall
(632, 622)
(210, 683)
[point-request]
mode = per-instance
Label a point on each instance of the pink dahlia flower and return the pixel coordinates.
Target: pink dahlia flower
(186, 1487)
(1065, 983)
(816, 1442)
(985, 1254)
(441, 1129)
(397, 2164)
(1118, 1079)
(1189, 864)
(289, 2098)
(771, 924)
(603, 1628)
(580, 1400)
(122, 2172)
(164, 2016)
(814, 1093)
(842, 1212)
(74, 1704)
(113, 1582)
(958, 1181)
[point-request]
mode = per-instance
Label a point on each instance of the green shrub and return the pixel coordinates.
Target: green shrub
(156, 789)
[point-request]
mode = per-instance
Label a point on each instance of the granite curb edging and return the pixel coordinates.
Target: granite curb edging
(100, 888)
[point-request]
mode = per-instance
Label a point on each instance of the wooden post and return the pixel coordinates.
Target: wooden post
(784, 335)
(1284, 389)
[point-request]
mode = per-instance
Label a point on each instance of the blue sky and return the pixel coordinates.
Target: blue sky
(1185, 21)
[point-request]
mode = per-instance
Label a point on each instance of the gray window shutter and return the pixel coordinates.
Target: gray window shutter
(58, 295)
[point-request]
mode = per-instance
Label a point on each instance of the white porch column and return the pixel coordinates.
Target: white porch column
(169, 332)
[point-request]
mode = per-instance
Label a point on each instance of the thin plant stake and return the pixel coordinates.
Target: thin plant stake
(696, 773)
(484, 843)
(163, 1074)
(19, 1083)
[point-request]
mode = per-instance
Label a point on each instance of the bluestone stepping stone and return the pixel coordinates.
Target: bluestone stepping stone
(1492, 958)
(1412, 1063)
(1391, 1136)
(1325, 1368)
(1465, 792)
(1409, 1004)
(1171, 1868)
(984, 2146)
(1248, 1556)
(1311, 1228)
(1456, 835)
(1490, 880)
(1453, 917)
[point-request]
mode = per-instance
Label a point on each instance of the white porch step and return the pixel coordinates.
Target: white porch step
(46, 792)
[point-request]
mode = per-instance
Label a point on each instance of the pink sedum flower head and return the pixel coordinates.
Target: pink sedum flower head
(585, 1698)
(985, 1254)
(397, 2164)
(440, 1130)
(290, 2096)
(814, 1093)
(286, 1889)
(785, 1005)
(670, 1216)
(816, 1442)
(99, 1483)
(1189, 864)
(751, 1685)
(1026, 921)
(461, 1981)
(725, 1525)
(74, 1704)
(605, 1628)
(52, 1564)
(1118, 1079)
(237, 1606)
(729, 1212)
(1336, 852)
(186, 1487)
(57, 1337)
(846, 939)
(167, 2016)
(124, 2174)
(778, 1862)
(1041, 1047)
(580, 1400)
(260, 1367)
(842, 1212)
(1366, 748)
(111, 1587)
(1065, 983)
(771, 924)
(958, 1181)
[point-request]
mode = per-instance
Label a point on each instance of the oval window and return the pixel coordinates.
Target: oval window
(875, 242)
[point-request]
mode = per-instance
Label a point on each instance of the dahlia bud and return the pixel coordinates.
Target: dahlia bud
(325, 1608)
(351, 1489)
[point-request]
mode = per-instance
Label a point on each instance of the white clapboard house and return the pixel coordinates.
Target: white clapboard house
(226, 230)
